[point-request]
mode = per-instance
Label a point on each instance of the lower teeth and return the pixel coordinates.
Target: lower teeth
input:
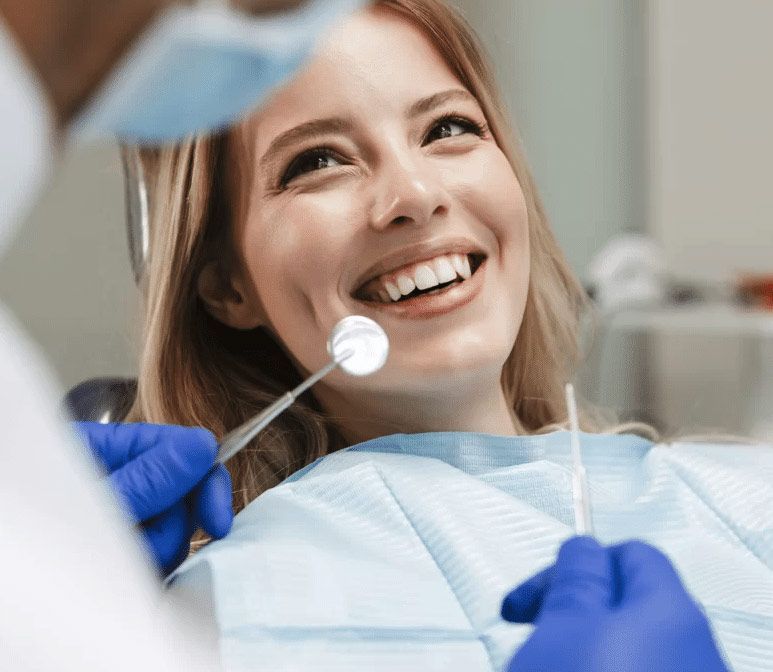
(439, 289)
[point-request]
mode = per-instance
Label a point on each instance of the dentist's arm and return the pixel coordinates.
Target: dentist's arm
(165, 479)
(618, 609)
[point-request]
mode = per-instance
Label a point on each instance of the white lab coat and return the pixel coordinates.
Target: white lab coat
(76, 590)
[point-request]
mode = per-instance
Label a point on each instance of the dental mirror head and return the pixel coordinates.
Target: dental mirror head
(359, 345)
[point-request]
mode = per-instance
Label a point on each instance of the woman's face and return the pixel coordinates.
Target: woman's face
(378, 190)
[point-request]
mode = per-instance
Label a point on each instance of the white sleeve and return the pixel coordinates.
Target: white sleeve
(76, 590)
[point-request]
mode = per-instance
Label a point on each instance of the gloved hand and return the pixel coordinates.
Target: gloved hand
(164, 476)
(617, 609)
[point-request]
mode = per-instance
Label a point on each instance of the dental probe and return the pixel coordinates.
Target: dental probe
(583, 521)
(357, 344)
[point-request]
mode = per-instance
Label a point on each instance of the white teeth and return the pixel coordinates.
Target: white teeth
(438, 271)
(425, 277)
(444, 270)
(405, 284)
(466, 271)
(393, 291)
(458, 262)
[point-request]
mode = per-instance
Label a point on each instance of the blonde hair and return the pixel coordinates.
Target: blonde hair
(196, 371)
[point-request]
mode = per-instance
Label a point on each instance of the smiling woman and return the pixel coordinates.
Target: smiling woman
(383, 180)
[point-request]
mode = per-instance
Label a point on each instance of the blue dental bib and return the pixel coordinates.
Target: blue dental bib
(395, 554)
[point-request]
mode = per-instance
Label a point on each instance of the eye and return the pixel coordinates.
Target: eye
(309, 162)
(451, 127)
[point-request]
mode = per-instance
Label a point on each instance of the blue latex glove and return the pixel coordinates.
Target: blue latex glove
(618, 609)
(164, 476)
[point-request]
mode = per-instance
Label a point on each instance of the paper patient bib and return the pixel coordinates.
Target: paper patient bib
(395, 554)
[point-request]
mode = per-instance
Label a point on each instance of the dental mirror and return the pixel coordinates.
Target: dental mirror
(365, 339)
(357, 344)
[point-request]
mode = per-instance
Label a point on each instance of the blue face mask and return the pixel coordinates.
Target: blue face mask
(202, 68)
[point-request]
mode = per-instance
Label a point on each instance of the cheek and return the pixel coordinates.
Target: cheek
(293, 238)
(292, 251)
(501, 207)
(493, 195)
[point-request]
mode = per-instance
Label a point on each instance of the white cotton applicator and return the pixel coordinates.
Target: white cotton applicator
(583, 521)
(357, 344)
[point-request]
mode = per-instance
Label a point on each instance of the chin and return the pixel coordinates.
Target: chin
(454, 371)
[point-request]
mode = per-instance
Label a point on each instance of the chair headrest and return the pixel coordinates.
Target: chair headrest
(101, 399)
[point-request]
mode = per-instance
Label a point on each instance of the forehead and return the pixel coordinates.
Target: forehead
(376, 62)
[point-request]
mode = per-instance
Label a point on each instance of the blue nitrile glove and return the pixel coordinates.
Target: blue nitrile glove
(164, 476)
(617, 609)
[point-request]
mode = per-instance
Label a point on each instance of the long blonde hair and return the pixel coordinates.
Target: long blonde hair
(195, 371)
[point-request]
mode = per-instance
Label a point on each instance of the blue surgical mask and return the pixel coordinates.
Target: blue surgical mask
(202, 68)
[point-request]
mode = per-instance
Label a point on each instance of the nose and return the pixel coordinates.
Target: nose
(408, 191)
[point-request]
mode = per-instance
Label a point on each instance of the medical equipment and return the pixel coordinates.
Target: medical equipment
(357, 344)
(395, 554)
(137, 199)
(583, 521)
(202, 66)
(629, 271)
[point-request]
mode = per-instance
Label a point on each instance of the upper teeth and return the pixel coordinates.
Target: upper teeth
(424, 275)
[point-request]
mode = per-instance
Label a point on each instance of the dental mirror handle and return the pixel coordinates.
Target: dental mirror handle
(237, 439)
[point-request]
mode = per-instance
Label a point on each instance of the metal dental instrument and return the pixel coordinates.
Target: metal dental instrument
(583, 521)
(357, 344)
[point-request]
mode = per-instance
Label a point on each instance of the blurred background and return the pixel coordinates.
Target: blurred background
(648, 127)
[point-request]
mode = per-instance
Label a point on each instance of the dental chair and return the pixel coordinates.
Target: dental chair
(101, 399)
(110, 399)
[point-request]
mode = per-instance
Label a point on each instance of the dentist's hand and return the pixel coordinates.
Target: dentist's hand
(618, 609)
(164, 476)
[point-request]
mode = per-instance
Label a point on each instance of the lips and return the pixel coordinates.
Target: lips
(433, 303)
(424, 277)
(418, 270)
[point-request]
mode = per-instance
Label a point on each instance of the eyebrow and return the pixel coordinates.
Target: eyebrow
(319, 127)
(436, 100)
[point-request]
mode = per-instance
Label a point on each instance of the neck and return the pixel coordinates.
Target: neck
(73, 44)
(368, 416)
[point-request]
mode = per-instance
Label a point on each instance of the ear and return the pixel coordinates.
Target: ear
(229, 299)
